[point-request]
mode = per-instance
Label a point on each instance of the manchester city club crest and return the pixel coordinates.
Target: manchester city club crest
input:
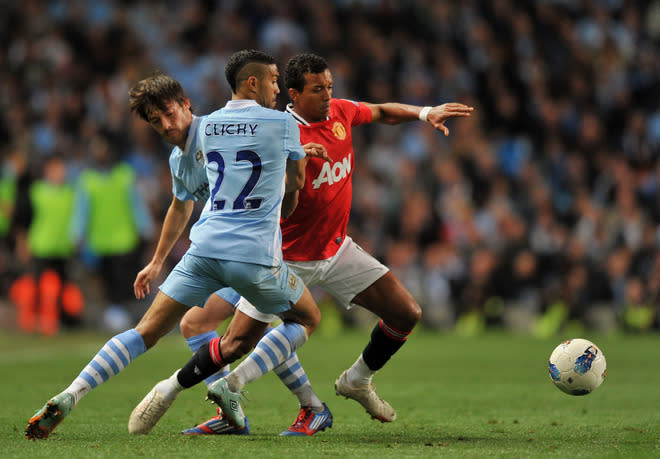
(293, 281)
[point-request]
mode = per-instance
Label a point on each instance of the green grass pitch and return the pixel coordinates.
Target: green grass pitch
(487, 396)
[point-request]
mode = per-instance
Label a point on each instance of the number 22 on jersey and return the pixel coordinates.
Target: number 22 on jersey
(242, 201)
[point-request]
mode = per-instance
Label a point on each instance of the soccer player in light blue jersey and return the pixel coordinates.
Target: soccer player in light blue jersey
(249, 176)
(175, 122)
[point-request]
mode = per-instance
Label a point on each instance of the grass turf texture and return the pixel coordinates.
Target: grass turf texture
(458, 397)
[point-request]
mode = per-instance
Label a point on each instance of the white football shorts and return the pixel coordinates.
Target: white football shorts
(249, 310)
(348, 272)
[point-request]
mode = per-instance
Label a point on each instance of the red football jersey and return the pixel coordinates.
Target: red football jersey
(317, 227)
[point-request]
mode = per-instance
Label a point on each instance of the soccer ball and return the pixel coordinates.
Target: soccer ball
(577, 366)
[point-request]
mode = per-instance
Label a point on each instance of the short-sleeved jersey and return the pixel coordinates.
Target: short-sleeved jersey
(189, 180)
(245, 147)
(317, 227)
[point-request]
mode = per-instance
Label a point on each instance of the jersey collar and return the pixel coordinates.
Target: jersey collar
(297, 117)
(240, 103)
(191, 133)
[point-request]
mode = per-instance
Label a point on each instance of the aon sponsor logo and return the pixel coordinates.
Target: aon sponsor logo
(331, 173)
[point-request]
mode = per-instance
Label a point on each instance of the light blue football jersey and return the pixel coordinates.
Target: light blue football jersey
(245, 147)
(188, 169)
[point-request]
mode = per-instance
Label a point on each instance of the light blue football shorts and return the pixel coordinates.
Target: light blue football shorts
(228, 294)
(269, 289)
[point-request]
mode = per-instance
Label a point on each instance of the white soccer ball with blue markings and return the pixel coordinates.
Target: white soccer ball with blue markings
(577, 366)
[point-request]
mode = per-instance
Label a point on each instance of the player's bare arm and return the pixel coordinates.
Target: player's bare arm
(176, 219)
(295, 174)
(395, 113)
(289, 203)
(295, 180)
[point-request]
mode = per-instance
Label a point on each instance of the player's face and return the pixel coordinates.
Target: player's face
(172, 124)
(313, 103)
(268, 88)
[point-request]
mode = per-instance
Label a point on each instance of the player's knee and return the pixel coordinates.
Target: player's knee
(188, 327)
(405, 316)
(308, 316)
(193, 325)
(414, 313)
(311, 321)
(315, 319)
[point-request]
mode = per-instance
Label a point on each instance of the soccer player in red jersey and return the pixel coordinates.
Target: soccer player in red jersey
(315, 243)
(314, 239)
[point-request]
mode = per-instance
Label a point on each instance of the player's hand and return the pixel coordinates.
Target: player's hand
(441, 113)
(141, 285)
(316, 150)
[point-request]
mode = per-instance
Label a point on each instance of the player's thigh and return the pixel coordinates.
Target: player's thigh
(304, 312)
(161, 317)
(202, 320)
(228, 294)
(217, 308)
(356, 277)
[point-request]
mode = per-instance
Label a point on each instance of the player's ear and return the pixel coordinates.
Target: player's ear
(293, 94)
(252, 83)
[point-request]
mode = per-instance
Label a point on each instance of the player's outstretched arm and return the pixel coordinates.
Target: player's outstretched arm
(436, 116)
(176, 219)
(395, 113)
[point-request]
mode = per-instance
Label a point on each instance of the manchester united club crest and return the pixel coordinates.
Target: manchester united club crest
(339, 130)
(199, 157)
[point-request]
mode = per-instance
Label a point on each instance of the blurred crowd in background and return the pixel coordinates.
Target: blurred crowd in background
(541, 210)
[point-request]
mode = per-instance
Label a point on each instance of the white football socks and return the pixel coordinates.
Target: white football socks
(359, 373)
(274, 348)
(115, 355)
(170, 387)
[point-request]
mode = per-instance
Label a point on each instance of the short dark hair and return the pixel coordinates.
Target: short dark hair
(238, 68)
(299, 65)
(155, 92)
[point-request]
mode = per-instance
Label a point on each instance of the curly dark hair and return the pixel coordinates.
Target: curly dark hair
(153, 93)
(238, 68)
(298, 65)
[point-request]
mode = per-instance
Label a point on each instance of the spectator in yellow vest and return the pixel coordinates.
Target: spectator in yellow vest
(112, 218)
(45, 296)
(12, 170)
